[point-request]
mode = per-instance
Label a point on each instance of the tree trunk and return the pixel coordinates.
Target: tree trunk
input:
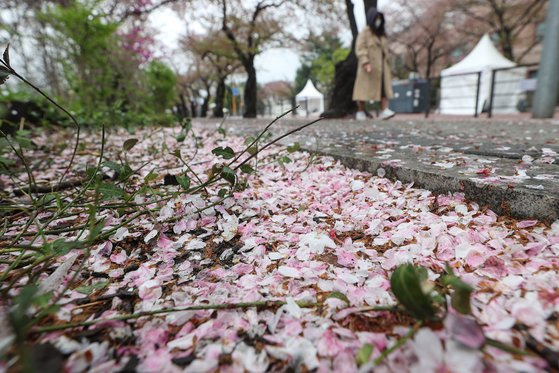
(251, 90)
(183, 109)
(193, 109)
(205, 105)
(219, 98)
(352, 21)
(370, 4)
(341, 98)
(507, 44)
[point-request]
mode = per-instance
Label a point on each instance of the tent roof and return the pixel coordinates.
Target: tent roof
(309, 92)
(483, 56)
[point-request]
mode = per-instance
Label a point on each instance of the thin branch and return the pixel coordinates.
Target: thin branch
(223, 306)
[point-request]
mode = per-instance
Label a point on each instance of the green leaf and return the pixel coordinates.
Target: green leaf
(95, 228)
(460, 298)
(294, 148)
(7, 162)
(4, 74)
(113, 166)
(63, 247)
(284, 160)
(42, 300)
(229, 175)
(226, 153)
(222, 131)
(340, 296)
(23, 138)
(222, 193)
(364, 354)
(90, 172)
(184, 181)
(111, 191)
(406, 286)
(18, 313)
(249, 140)
(91, 288)
(150, 177)
(181, 137)
(186, 125)
(129, 144)
(247, 169)
(216, 170)
(6, 55)
(252, 150)
(48, 198)
(125, 173)
(505, 347)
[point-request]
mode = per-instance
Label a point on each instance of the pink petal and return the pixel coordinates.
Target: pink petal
(464, 330)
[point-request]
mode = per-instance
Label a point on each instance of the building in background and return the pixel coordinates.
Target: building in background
(275, 98)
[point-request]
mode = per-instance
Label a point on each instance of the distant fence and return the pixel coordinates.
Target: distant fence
(491, 91)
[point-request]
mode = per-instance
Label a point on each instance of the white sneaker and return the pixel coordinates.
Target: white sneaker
(386, 114)
(360, 115)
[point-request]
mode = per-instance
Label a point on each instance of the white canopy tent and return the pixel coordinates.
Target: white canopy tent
(459, 83)
(310, 100)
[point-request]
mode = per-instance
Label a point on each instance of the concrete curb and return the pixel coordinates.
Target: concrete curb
(518, 200)
(520, 203)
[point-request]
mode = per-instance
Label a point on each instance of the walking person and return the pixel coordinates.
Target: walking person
(374, 79)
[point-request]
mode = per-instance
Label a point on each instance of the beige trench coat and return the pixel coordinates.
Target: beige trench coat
(369, 49)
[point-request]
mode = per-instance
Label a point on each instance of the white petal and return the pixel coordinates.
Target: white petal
(357, 185)
(183, 343)
(56, 278)
(120, 234)
(428, 349)
(150, 236)
(349, 278)
(196, 244)
(251, 360)
(293, 308)
(289, 272)
(462, 250)
(462, 359)
(275, 256)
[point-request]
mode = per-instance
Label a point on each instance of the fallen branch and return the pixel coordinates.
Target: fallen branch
(546, 353)
(399, 343)
(259, 304)
(36, 189)
(225, 306)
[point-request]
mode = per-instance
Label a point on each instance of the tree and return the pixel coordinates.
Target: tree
(197, 85)
(189, 90)
(423, 37)
(253, 26)
(161, 82)
(249, 30)
(22, 27)
(506, 19)
(321, 53)
(216, 50)
(87, 41)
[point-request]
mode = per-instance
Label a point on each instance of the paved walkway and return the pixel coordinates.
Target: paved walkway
(511, 166)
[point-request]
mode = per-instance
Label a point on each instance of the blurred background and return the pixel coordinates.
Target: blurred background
(123, 62)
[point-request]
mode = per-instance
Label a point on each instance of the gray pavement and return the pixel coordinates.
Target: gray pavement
(510, 166)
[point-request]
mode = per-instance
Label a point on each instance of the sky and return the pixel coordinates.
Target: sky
(274, 64)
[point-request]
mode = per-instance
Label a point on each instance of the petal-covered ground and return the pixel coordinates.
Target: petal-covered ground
(303, 229)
